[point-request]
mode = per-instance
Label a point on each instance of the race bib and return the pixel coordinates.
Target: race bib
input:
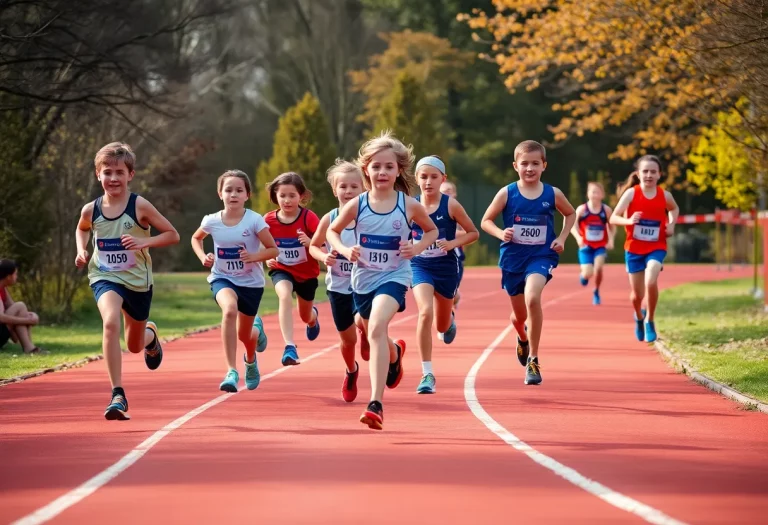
(113, 257)
(647, 230)
(380, 252)
(433, 250)
(228, 261)
(292, 252)
(530, 229)
(595, 232)
(342, 268)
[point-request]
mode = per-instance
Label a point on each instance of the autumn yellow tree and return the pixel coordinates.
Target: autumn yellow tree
(429, 60)
(658, 69)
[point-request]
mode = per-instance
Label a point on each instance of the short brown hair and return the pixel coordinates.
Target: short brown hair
(530, 146)
(290, 178)
(237, 174)
(113, 153)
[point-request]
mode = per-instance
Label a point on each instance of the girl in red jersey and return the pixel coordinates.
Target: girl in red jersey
(292, 226)
(649, 214)
(594, 235)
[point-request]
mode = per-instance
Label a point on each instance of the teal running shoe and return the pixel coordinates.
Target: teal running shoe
(427, 385)
(261, 344)
(252, 376)
(230, 381)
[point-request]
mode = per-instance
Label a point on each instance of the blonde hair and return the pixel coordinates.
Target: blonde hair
(596, 184)
(113, 153)
(236, 174)
(340, 167)
(404, 155)
(530, 146)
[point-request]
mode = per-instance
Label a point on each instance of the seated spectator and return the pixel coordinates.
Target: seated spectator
(16, 321)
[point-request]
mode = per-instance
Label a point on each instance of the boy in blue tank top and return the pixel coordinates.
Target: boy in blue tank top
(529, 247)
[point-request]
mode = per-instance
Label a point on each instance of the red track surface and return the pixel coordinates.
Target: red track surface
(293, 452)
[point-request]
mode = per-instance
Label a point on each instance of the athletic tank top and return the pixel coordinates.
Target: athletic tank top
(650, 233)
(111, 261)
(446, 226)
(592, 227)
(534, 224)
(379, 235)
(338, 278)
(294, 257)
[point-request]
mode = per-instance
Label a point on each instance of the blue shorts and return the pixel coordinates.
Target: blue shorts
(638, 263)
(135, 304)
(514, 282)
(248, 299)
(588, 254)
(342, 309)
(304, 289)
(461, 273)
(364, 302)
(444, 283)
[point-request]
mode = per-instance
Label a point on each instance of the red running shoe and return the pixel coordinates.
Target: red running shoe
(373, 416)
(349, 387)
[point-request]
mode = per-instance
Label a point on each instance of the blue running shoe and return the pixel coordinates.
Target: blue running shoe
(313, 331)
(596, 297)
(252, 376)
(153, 356)
(650, 332)
(290, 356)
(450, 334)
(583, 280)
(117, 410)
(230, 381)
(427, 385)
(533, 372)
(639, 330)
(261, 344)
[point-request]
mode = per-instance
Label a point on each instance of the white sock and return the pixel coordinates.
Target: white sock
(426, 367)
(290, 343)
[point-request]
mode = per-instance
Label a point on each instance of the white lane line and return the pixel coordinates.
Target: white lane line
(78, 494)
(608, 495)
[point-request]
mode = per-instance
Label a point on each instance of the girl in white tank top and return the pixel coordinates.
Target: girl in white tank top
(346, 179)
(381, 272)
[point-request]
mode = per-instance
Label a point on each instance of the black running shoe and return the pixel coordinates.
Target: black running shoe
(373, 416)
(395, 372)
(153, 356)
(117, 409)
(533, 372)
(522, 350)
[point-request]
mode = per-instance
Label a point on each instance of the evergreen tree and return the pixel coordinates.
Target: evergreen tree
(302, 144)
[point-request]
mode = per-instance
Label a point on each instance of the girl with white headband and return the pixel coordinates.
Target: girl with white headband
(436, 269)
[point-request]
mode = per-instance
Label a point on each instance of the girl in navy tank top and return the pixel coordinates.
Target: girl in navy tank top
(436, 270)
(529, 247)
(381, 257)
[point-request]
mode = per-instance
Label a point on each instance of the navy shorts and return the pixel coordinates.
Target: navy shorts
(342, 309)
(5, 335)
(248, 299)
(461, 273)
(304, 289)
(135, 304)
(514, 282)
(364, 302)
(444, 283)
(588, 254)
(638, 263)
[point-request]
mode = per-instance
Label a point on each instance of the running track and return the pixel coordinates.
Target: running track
(293, 452)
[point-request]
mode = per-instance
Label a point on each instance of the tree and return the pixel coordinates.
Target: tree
(657, 69)
(302, 144)
(575, 195)
(430, 60)
(724, 163)
(408, 113)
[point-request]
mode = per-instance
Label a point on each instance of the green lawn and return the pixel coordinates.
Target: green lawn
(720, 330)
(182, 302)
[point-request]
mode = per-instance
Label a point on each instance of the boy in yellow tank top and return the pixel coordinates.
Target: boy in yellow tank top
(120, 270)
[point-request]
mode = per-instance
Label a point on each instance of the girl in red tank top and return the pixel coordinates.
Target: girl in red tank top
(649, 214)
(292, 226)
